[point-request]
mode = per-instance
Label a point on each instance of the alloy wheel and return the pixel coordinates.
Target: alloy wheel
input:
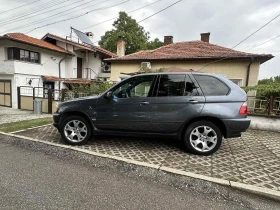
(203, 138)
(75, 131)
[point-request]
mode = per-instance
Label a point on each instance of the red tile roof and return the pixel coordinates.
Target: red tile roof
(33, 41)
(51, 78)
(192, 50)
(102, 50)
(85, 46)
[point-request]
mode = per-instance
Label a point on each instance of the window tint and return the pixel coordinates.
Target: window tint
(176, 85)
(171, 85)
(190, 88)
(134, 87)
(211, 86)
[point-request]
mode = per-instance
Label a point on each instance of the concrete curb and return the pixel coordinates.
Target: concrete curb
(271, 194)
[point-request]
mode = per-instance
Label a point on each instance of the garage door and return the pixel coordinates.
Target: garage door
(5, 93)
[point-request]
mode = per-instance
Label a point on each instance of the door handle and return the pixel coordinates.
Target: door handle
(142, 103)
(193, 101)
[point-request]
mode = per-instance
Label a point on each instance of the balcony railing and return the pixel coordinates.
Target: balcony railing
(85, 73)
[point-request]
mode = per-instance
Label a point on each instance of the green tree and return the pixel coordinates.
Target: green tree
(156, 43)
(134, 35)
(267, 87)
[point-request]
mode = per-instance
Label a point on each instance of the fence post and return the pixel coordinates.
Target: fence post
(18, 96)
(33, 95)
(63, 91)
(270, 107)
(50, 101)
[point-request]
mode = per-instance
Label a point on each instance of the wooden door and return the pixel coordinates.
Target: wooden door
(5, 93)
(79, 67)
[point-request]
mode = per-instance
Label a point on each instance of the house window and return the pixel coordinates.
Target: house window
(237, 81)
(15, 53)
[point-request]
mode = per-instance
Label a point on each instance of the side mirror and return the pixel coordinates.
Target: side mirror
(109, 95)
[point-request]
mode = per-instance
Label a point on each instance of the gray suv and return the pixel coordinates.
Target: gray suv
(195, 108)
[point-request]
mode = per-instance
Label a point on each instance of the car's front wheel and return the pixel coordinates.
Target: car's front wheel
(203, 138)
(75, 130)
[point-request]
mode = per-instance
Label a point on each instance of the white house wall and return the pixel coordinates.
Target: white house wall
(6, 67)
(94, 61)
(95, 64)
(20, 72)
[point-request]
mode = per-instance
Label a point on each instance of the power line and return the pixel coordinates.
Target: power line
(153, 14)
(159, 11)
(19, 7)
(46, 12)
(35, 10)
(102, 8)
(256, 31)
(117, 17)
(207, 64)
(264, 42)
(60, 14)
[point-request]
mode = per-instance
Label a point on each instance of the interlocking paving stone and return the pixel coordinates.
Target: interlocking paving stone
(252, 159)
(8, 115)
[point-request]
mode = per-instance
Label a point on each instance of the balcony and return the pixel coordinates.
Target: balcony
(84, 73)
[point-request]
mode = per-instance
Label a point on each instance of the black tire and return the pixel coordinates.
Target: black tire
(191, 133)
(79, 137)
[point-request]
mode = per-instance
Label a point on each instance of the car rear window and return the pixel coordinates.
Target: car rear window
(212, 86)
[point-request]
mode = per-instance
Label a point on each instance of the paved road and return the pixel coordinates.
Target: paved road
(34, 180)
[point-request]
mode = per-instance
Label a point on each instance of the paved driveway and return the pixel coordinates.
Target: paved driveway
(8, 115)
(252, 159)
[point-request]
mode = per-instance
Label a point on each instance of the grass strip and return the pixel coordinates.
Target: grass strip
(21, 125)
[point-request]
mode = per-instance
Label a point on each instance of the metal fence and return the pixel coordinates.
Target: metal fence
(26, 96)
(264, 105)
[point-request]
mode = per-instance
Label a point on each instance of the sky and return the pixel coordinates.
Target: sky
(228, 21)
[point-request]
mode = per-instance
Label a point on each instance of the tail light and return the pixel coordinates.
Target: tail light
(243, 109)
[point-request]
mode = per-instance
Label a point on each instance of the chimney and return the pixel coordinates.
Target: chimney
(120, 48)
(90, 36)
(168, 40)
(205, 37)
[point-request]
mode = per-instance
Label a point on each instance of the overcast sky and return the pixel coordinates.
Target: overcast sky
(229, 21)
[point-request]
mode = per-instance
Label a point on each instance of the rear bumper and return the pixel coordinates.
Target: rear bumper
(235, 127)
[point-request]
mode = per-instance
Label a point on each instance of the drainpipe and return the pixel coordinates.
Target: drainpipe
(248, 71)
(59, 71)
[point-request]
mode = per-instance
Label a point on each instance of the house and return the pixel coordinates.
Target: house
(52, 62)
(242, 68)
(87, 62)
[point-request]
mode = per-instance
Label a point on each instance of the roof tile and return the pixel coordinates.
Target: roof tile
(187, 51)
(37, 42)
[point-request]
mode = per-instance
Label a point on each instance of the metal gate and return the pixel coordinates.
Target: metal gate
(5, 93)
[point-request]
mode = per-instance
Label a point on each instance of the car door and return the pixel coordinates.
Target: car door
(129, 109)
(176, 99)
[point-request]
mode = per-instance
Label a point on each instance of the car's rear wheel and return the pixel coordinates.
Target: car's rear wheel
(75, 130)
(203, 138)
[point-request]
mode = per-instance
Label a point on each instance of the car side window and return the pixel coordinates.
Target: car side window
(175, 85)
(212, 86)
(134, 87)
